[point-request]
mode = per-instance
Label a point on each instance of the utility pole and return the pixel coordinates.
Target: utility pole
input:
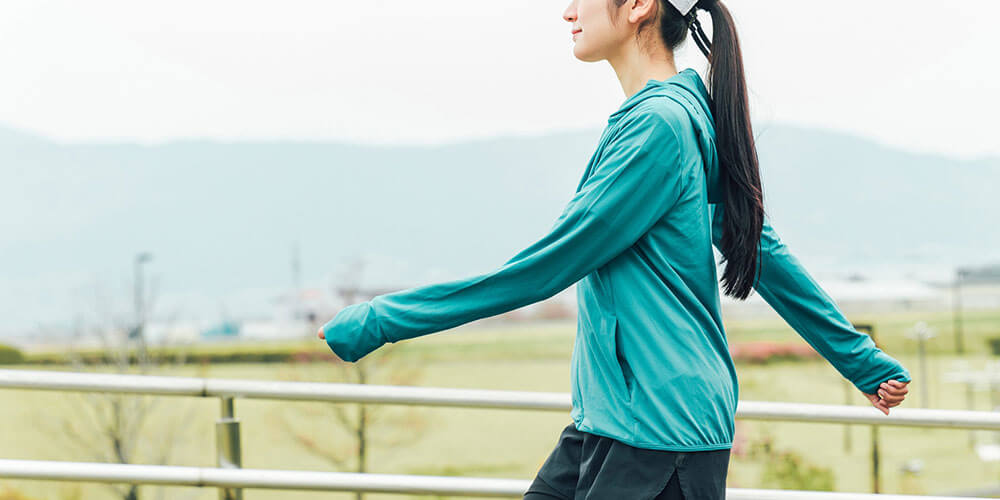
(140, 311)
(957, 311)
(297, 309)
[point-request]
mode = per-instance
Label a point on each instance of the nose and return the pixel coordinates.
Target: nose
(569, 14)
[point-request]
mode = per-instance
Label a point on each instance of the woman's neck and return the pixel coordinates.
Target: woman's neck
(634, 67)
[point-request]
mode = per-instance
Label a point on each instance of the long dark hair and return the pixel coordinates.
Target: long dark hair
(743, 215)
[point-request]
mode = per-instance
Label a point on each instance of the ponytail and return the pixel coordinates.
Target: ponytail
(743, 217)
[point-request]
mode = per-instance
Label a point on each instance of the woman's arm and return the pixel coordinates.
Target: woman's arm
(634, 183)
(800, 301)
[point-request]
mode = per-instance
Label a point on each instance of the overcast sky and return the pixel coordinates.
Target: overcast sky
(903, 72)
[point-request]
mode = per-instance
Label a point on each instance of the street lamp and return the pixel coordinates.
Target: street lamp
(957, 310)
(921, 332)
(140, 313)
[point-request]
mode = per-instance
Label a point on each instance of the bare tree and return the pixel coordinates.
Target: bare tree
(109, 427)
(385, 365)
(355, 419)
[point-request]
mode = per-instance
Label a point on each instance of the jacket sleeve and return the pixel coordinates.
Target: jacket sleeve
(789, 289)
(632, 185)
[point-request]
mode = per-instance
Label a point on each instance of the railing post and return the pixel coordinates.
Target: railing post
(876, 486)
(227, 443)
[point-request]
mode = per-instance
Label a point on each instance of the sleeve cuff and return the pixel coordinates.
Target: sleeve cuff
(353, 332)
(880, 368)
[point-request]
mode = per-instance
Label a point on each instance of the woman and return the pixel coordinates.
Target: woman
(654, 389)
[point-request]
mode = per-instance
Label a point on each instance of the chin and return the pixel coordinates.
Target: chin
(582, 54)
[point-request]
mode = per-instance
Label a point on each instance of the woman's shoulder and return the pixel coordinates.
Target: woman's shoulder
(660, 109)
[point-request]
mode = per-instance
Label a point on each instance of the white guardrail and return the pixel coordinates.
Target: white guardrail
(231, 479)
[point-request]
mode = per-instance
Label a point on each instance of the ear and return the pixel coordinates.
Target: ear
(639, 10)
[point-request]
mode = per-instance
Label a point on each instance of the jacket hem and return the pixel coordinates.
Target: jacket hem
(654, 446)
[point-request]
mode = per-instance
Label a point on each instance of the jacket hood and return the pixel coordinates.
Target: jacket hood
(687, 89)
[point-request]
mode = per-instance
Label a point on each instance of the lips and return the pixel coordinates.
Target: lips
(575, 31)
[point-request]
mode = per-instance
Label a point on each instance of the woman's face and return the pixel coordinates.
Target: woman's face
(596, 37)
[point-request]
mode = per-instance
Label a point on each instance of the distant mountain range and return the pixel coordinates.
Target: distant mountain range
(221, 218)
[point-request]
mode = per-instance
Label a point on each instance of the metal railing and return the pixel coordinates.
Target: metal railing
(230, 478)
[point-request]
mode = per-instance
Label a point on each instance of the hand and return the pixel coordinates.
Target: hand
(890, 394)
(352, 333)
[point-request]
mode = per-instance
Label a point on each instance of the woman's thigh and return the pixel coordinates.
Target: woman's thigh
(559, 473)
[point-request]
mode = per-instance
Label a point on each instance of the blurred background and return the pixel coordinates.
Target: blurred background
(192, 188)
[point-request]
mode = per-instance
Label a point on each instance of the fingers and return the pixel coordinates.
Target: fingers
(881, 404)
(881, 407)
(873, 399)
(890, 398)
(895, 387)
(891, 393)
(890, 404)
(322, 335)
(894, 390)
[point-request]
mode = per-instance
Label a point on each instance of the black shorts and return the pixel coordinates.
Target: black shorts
(587, 466)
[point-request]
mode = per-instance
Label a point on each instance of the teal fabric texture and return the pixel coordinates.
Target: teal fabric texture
(651, 365)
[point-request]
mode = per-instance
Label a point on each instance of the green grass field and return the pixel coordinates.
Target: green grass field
(510, 443)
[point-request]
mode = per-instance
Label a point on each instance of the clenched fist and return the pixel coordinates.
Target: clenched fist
(890, 394)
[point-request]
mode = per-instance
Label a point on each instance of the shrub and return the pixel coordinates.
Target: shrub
(994, 343)
(786, 469)
(10, 355)
(763, 352)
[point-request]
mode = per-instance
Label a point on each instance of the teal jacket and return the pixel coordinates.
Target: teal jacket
(651, 365)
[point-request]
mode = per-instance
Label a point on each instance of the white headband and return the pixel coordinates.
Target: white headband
(684, 6)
